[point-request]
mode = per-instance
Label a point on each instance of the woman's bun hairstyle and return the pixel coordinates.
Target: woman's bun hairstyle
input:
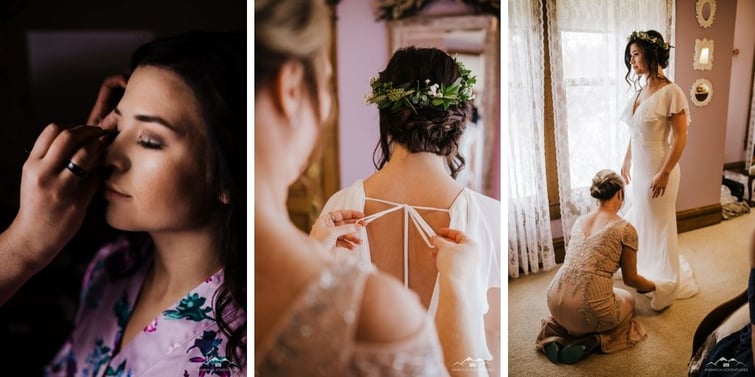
(606, 184)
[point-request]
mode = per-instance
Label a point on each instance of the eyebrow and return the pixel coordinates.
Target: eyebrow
(151, 119)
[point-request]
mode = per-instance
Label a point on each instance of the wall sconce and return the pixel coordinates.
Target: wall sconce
(703, 59)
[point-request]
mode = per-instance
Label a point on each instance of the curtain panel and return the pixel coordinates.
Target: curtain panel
(529, 231)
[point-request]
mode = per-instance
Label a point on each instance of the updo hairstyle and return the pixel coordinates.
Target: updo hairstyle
(606, 184)
(654, 55)
(429, 129)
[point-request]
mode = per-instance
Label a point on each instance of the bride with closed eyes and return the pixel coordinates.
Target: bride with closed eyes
(169, 297)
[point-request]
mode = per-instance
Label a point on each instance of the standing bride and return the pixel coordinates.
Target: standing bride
(658, 116)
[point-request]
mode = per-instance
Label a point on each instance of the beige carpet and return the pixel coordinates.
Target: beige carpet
(719, 256)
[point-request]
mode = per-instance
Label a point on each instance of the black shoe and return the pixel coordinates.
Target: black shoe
(572, 353)
(551, 351)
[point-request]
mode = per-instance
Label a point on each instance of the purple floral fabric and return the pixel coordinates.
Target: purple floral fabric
(184, 340)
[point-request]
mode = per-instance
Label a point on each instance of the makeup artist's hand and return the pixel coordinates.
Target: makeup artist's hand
(56, 189)
(110, 93)
(57, 185)
(338, 228)
(455, 254)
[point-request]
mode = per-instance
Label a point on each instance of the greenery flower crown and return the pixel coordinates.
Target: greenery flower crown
(418, 95)
(644, 36)
(398, 9)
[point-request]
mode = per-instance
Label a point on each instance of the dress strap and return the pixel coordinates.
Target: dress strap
(399, 204)
(410, 213)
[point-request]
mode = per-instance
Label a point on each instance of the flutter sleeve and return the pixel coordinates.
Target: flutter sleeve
(626, 115)
(674, 103)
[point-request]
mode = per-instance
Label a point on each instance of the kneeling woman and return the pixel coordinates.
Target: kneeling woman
(586, 310)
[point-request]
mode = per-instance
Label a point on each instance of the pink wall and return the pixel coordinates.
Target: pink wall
(741, 81)
(362, 52)
(703, 159)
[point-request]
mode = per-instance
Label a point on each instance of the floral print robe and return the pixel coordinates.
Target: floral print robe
(183, 341)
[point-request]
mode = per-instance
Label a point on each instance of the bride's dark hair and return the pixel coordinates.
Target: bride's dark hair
(428, 130)
(213, 65)
(654, 54)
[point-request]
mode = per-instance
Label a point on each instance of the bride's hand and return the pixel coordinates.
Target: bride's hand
(338, 228)
(625, 168)
(658, 186)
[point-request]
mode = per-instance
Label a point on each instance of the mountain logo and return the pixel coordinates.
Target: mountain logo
(468, 363)
(726, 365)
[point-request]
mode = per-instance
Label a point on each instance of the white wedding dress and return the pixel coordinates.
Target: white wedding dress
(477, 215)
(658, 256)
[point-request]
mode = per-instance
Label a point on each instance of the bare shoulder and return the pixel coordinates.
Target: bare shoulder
(389, 312)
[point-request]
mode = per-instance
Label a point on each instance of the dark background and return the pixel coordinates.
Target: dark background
(53, 57)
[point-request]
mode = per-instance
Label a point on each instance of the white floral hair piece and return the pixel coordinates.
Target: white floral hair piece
(417, 95)
(644, 36)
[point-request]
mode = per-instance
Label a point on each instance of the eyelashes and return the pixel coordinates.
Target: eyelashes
(149, 143)
(146, 142)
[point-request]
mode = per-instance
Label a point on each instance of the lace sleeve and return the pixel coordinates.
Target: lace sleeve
(629, 237)
(419, 355)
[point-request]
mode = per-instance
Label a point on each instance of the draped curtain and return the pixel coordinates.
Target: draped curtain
(751, 129)
(586, 44)
(529, 232)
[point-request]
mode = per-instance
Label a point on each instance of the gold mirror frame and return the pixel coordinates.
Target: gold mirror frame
(701, 92)
(423, 32)
(700, 10)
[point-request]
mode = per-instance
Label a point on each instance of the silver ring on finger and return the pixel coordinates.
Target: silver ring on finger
(76, 169)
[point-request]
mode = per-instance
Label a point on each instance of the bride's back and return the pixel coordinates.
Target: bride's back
(430, 193)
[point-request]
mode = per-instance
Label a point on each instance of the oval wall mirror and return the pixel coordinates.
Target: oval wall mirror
(705, 11)
(701, 92)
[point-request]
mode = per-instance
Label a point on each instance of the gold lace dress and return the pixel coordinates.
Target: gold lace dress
(582, 299)
(317, 335)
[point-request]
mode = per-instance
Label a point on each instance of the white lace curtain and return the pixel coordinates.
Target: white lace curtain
(529, 232)
(586, 44)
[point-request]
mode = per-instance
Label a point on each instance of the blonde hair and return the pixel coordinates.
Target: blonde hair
(287, 30)
(606, 184)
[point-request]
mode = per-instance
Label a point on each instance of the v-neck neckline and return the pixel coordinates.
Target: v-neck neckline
(601, 230)
(636, 106)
